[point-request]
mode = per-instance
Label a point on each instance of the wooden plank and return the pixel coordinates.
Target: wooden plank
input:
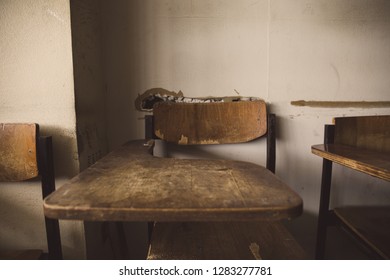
(18, 152)
(210, 123)
(130, 184)
(365, 132)
(223, 241)
(371, 224)
(370, 162)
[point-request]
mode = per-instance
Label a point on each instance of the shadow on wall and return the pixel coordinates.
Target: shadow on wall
(20, 218)
(64, 150)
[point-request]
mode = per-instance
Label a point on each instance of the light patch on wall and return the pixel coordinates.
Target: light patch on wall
(341, 104)
(55, 15)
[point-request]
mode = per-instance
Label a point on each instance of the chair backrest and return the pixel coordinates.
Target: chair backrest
(25, 155)
(213, 123)
(365, 132)
(18, 152)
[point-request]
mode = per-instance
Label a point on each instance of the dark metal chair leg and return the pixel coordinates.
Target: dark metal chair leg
(324, 208)
(323, 213)
(271, 142)
(46, 169)
(124, 249)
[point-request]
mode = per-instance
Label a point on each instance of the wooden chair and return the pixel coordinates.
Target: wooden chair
(218, 123)
(26, 155)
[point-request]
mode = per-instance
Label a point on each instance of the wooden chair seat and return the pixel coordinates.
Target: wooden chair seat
(223, 241)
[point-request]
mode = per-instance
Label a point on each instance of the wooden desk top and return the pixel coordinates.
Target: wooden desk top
(130, 184)
(370, 162)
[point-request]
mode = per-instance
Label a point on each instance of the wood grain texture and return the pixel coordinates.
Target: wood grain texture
(365, 132)
(18, 152)
(130, 184)
(370, 162)
(371, 224)
(210, 123)
(223, 241)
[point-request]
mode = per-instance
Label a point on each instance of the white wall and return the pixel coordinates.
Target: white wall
(278, 50)
(36, 85)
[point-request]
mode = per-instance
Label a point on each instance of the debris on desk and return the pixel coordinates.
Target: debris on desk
(146, 101)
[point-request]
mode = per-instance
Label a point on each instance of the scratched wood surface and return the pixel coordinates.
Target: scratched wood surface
(210, 123)
(18, 152)
(223, 241)
(364, 132)
(130, 184)
(370, 162)
(371, 224)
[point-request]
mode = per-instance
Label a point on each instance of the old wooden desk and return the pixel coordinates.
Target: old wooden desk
(129, 184)
(362, 144)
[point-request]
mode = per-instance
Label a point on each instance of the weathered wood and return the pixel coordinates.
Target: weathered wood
(18, 152)
(210, 123)
(130, 184)
(365, 132)
(370, 162)
(223, 241)
(371, 224)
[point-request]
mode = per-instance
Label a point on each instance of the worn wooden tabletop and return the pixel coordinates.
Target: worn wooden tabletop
(130, 184)
(371, 162)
